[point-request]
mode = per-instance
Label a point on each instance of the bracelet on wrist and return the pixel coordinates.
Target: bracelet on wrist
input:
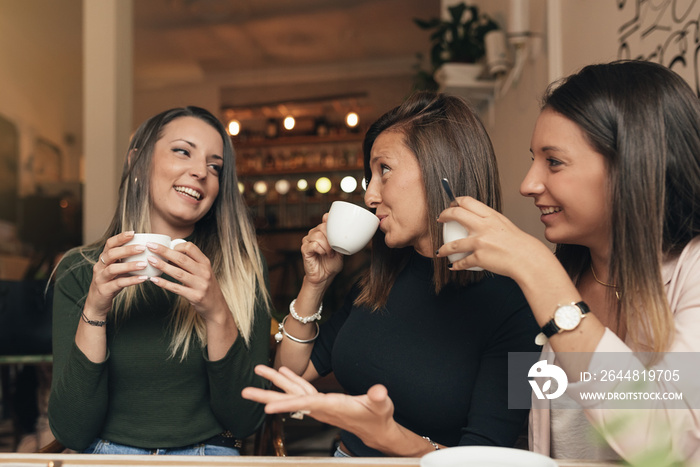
(435, 445)
(306, 319)
(92, 322)
(283, 333)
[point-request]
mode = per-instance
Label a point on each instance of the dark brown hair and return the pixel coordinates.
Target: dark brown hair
(645, 121)
(448, 141)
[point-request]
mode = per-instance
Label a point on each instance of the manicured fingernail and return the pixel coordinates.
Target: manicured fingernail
(155, 280)
(141, 264)
(143, 278)
(140, 247)
(152, 246)
(129, 233)
(152, 260)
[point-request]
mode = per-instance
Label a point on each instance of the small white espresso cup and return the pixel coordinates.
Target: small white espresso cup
(142, 239)
(452, 231)
(350, 227)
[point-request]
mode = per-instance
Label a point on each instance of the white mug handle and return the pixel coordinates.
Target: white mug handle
(176, 242)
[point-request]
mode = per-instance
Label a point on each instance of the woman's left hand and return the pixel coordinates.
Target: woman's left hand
(495, 243)
(369, 416)
(192, 269)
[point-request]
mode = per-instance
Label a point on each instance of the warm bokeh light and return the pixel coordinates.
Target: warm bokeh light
(352, 119)
(289, 122)
(234, 127)
(323, 185)
(302, 184)
(260, 187)
(348, 184)
(241, 187)
(282, 186)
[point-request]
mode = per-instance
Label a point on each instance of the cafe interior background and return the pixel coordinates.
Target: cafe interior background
(77, 76)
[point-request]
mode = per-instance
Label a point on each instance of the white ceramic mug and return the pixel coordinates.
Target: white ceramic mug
(350, 227)
(452, 231)
(142, 239)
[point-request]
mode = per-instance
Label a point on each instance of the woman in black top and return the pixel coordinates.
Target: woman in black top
(421, 350)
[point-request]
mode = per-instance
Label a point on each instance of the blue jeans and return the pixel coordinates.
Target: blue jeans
(340, 453)
(102, 446)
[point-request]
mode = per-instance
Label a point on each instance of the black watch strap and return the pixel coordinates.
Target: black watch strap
(551, 327)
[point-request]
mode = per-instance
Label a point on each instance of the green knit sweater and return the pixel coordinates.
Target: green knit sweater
(140, 396)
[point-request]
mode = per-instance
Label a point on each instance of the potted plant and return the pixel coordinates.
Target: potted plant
(459, 40)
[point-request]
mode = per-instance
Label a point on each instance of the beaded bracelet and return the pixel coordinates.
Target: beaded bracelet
(282, 332)
(307, 319)
(432, 443)
(92, 322)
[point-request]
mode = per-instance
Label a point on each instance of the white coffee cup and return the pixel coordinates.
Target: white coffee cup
(142, 239)
(451, 231)
(350, 227)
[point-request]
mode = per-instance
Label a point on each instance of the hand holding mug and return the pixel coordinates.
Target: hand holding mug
(494, 242)
(111, 274)
(143, 239)
(321, 262)
(196, 281)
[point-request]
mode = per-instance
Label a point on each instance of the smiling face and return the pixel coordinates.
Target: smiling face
(184, 179)
(568, 181)
(396, 190)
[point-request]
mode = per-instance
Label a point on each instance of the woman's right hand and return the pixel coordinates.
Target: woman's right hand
(110, 275)
(321, 262)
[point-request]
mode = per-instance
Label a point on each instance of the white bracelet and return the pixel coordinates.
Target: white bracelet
(307, 319)
(432, 443)
(282, 332)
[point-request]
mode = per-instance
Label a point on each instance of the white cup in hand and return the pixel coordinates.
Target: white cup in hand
(451, 231)
(350, 227)
(142, 239)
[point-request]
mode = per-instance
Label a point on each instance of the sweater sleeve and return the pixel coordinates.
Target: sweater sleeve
(79, 393)
(490, 421)
(229, 375)
(321, 355)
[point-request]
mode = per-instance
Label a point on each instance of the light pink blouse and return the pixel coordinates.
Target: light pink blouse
(675, 432)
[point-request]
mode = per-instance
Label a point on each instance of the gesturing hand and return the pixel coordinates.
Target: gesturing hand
(369, 416)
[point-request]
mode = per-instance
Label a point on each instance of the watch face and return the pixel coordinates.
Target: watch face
(567, 317)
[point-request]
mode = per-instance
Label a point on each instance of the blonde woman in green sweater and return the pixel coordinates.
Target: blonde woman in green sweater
(156, 365)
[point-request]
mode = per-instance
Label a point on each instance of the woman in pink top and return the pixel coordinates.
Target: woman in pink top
(616, 176)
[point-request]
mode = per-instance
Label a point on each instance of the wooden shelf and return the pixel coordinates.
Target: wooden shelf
(298, 140)
(299, 171)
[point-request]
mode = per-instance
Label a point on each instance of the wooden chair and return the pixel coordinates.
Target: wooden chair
(269, 440)
(52, 448)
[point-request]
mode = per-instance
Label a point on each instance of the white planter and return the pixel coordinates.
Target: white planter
(458, 74)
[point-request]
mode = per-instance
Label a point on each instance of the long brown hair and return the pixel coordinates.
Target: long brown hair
(225, 234)
(645, 121)
(448, 141)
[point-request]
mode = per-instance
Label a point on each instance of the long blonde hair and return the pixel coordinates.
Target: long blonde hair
(225, 235)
